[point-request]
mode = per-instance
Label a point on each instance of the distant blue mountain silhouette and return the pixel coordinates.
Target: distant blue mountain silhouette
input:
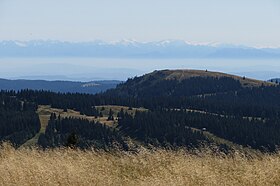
(59, 86)
(131, 49)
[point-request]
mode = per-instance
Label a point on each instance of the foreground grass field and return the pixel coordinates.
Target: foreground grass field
(75, 167)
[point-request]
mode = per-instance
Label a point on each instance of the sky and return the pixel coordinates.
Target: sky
(246, 22)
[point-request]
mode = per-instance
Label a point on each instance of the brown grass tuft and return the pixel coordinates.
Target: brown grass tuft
(77, 167)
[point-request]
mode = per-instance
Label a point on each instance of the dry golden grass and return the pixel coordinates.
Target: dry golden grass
(117, 108)
(185, 74)
(44, 112)
(76, 167)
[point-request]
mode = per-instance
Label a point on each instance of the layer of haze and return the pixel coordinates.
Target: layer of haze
(250, 22)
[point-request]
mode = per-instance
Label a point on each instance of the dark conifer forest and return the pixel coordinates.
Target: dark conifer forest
(88, 134)
(178, 111)
(18, 119)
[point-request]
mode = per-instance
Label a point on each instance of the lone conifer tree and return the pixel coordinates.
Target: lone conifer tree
(72, 140)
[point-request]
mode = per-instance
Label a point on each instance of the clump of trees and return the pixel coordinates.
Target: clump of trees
(80, 133)
(160, 128)
(183, 128)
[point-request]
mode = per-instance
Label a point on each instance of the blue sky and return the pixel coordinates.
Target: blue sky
(246, 22)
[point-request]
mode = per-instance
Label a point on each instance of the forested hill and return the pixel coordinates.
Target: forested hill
(184, 83)
(59, 86)
(177, 107)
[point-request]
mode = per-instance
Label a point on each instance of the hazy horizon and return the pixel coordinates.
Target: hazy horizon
(90, 69)
(251, 22)
(219, 32)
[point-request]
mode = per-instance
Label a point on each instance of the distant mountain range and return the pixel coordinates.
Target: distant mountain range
(131, 49)
(59, 86)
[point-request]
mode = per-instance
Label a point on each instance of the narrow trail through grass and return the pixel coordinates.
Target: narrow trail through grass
(44, 119)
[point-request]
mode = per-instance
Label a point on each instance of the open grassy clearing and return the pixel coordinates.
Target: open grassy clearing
(159, 167)
(105, 109)
(185, 74)
(44, 112)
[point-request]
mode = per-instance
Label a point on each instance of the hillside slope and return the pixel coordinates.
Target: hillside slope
(184, 83)
(185, 108)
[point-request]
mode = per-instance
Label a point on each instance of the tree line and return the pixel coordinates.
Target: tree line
(18, 119)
